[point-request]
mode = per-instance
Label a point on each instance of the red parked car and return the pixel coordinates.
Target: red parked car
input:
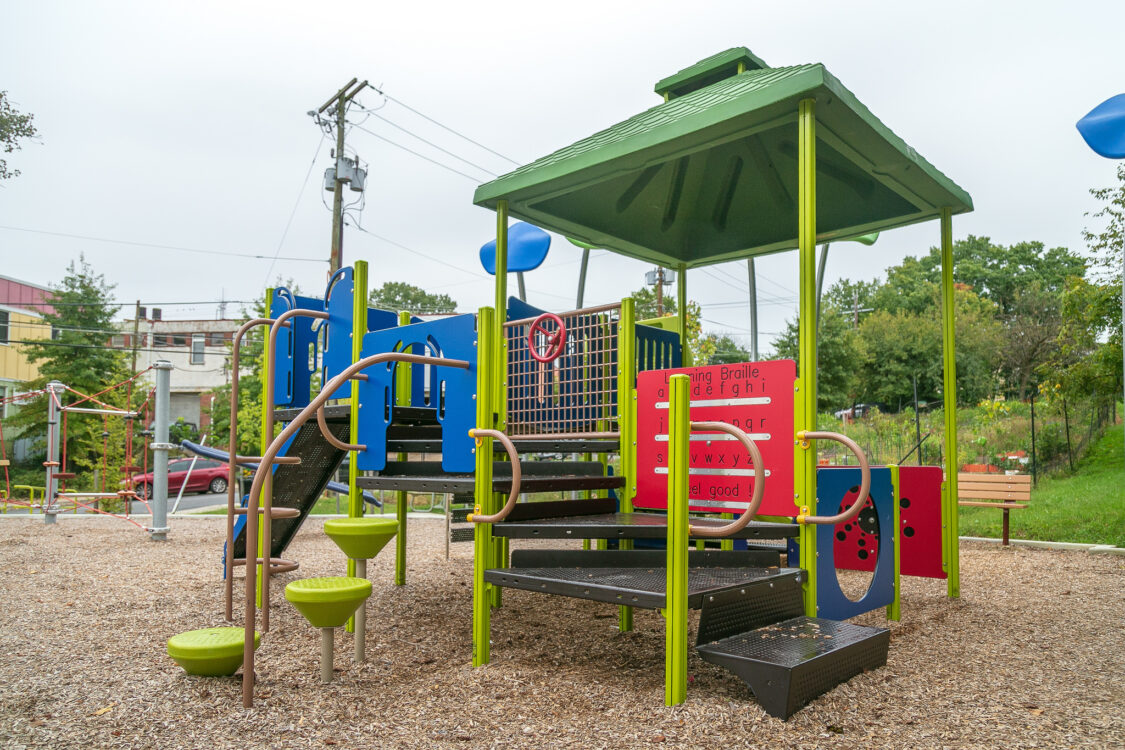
(206, 476)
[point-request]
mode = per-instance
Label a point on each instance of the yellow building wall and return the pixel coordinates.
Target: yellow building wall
(14, 364)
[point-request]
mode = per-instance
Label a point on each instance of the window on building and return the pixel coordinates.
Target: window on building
(159, 340)
(197, 342)
(216, 338)
(117, 341)
(3, 327)
(179, 339)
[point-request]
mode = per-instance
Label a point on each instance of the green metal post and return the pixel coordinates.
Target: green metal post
(681, 313)
(950, 530)
(483, 546)
(627, 425)
(676, 600)
(894, 609)
(262, 444)
(499, 384)
(804, 491)
(359, 328)
(499, 380)
(402, 499)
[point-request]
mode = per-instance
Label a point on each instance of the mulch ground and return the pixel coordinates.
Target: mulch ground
(1032, 655)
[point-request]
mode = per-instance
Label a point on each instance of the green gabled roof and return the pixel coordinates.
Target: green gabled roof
(711, 175)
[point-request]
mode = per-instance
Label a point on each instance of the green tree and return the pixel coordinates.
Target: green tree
(77, 354)
(14, 126)
(646, 308)
(838, 354)
(725, 350)
(1089, 356)
(399, 296)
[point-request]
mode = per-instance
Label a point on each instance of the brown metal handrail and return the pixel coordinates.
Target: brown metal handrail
(334, 441)
(260, 479)
(759, 482)
(864, 482)
(517, 476)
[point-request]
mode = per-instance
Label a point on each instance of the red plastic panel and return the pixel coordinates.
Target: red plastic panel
(756, 397)
(919, 527)
(920, 520)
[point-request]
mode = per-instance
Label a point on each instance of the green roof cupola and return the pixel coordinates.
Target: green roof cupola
(709, 70)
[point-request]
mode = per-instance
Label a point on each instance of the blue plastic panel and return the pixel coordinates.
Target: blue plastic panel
(452, 389)
(834, 486)
(295, 359)
(336, 355)
(657, 349)
(527, 249)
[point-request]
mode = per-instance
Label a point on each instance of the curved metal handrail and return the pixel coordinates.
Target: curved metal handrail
(864, 482)
(759, 483)
(334, 441)
(517, 476)
(268, 457)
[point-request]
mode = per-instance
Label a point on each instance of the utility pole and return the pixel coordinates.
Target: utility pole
(340, 100)
(753, 280)
(660, 292)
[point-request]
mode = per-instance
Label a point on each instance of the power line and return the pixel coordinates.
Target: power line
(49, 342)
(401, 246)
(420, 156)
(444, 127)
(395, 125)
(18, 303)
(159, 247)
(293, 213)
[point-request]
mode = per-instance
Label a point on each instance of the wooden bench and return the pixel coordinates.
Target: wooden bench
(983, 490)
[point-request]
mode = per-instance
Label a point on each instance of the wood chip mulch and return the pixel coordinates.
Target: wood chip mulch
(1032, 655)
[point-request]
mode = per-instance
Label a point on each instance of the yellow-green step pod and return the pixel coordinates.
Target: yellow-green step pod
(327, 603)
(361, 539)
(210, 652)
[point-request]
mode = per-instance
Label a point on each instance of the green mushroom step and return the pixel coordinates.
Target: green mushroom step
(210, 652)
(361, 538)
(328, 602)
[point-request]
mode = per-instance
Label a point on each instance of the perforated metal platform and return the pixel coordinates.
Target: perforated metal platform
(636, 578)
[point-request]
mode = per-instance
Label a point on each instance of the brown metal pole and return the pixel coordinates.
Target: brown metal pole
(264, 469)
(232, 463)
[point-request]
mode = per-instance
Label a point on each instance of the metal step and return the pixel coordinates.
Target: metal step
(400, 415)
(625, 526)
(538, 476)
(636, 578)
(787, 659)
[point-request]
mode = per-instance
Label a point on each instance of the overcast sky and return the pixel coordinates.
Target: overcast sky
(184, 125)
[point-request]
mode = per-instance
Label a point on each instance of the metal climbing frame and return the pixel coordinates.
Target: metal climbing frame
(575, 394)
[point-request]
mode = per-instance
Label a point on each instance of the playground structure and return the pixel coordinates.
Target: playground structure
(728, 167)
(54, 491)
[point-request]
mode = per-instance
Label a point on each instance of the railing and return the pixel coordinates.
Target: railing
(576, 392)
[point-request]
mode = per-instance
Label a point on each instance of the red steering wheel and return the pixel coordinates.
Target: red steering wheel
(556, 339)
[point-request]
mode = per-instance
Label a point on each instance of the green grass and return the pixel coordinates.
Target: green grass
(1087, 507)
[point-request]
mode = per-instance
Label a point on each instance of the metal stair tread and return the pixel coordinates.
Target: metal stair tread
(636, 525)
(791, 642)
